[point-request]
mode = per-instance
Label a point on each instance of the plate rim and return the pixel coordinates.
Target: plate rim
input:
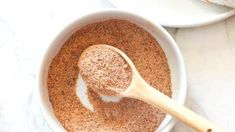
(209, 20)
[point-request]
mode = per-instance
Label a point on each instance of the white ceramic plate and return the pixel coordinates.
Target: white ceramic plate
(177, 13)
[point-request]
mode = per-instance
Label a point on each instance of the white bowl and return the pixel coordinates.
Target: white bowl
(175, 60)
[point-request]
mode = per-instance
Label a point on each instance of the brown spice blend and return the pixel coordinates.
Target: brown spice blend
(105, 70)
(128, 114)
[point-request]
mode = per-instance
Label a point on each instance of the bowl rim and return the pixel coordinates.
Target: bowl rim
(182, 81)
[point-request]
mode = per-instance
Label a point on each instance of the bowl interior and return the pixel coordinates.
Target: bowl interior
(168, 45)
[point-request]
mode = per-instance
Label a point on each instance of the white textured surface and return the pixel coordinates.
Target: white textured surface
(209, 53)
(27, 27)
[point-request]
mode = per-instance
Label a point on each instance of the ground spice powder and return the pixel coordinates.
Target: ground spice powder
(105, 70)
(128, 114)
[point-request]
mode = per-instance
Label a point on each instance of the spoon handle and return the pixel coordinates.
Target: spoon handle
(143, 91)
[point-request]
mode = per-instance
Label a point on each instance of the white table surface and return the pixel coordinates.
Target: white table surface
(27, 27)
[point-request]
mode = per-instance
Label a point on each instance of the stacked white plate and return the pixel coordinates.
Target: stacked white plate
(177, 13)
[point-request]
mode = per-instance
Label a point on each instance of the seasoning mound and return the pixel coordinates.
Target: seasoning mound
(105, 70)
(128, 114)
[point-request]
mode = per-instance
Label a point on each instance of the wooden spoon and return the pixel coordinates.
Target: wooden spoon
(139, 89)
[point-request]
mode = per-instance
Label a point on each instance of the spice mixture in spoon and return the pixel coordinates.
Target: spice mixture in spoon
(104, 70)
